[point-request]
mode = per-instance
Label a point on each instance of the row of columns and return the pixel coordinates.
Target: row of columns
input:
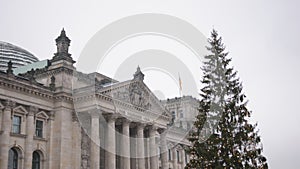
(110, 145)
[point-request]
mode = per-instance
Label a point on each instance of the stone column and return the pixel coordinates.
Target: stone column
(6, 127)
(147, 154)
(30, 128)
(183, 158)
(153, 148)
(174, 154)
(164, 149)
(110, 142)
(95, 140)
(133, 146)
(125, 144)
(140, 146)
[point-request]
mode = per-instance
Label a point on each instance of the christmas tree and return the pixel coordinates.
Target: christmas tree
(223, 137)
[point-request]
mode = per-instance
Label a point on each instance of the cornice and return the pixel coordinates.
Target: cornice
(63, 96)
(125, 84)
(21, 86)
(47, 72)
(120, 103)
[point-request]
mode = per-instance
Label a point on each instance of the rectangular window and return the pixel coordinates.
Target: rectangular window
(16, 124)
(39, 128)
(178, 156)
(170, 154)
(173, 115)
(186, 161)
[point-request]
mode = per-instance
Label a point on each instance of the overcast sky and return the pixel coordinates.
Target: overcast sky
(261, 36)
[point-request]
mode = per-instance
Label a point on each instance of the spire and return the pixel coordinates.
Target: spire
(63, 32)
(138, 75)
(62, 43)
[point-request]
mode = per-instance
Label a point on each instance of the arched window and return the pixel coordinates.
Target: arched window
(36, 160)
(13, 158)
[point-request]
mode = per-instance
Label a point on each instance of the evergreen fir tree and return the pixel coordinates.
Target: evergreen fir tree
(223, 136)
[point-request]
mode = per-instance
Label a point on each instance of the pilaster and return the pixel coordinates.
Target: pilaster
(6, 128)
(29, 139)
(50, 138)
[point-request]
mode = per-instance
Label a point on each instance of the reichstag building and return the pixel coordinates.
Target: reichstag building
(53, 116)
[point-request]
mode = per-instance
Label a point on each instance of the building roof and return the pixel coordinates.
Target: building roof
(36, 65)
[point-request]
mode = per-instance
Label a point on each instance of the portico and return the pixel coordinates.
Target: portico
(133, 121)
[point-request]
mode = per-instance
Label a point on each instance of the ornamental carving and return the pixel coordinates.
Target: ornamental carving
(9, 104)
(138, 96)
(134, 94)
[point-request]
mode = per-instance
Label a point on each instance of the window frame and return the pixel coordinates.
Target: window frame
(14, 160)
(21, 112)
(43, 117)
(178, 156)
(36, 161)
(39, 129)
(170, 154)
(19, 125)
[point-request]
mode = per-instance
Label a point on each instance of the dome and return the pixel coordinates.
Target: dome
(18, 56)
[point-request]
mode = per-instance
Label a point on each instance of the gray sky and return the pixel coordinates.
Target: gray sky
(261, 36)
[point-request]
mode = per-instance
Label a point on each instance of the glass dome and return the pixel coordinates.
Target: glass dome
(18, 56)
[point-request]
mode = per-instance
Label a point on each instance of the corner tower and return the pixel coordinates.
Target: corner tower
(58, 74)
(62, 57)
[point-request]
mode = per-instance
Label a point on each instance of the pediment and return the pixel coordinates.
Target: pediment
(42, 115)
(136, 93)
(20, 109)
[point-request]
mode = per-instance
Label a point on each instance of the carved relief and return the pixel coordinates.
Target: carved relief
(134, 94)
(138, 96)
(9, 104)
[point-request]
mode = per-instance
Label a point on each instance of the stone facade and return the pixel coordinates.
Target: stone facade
(59, 118)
